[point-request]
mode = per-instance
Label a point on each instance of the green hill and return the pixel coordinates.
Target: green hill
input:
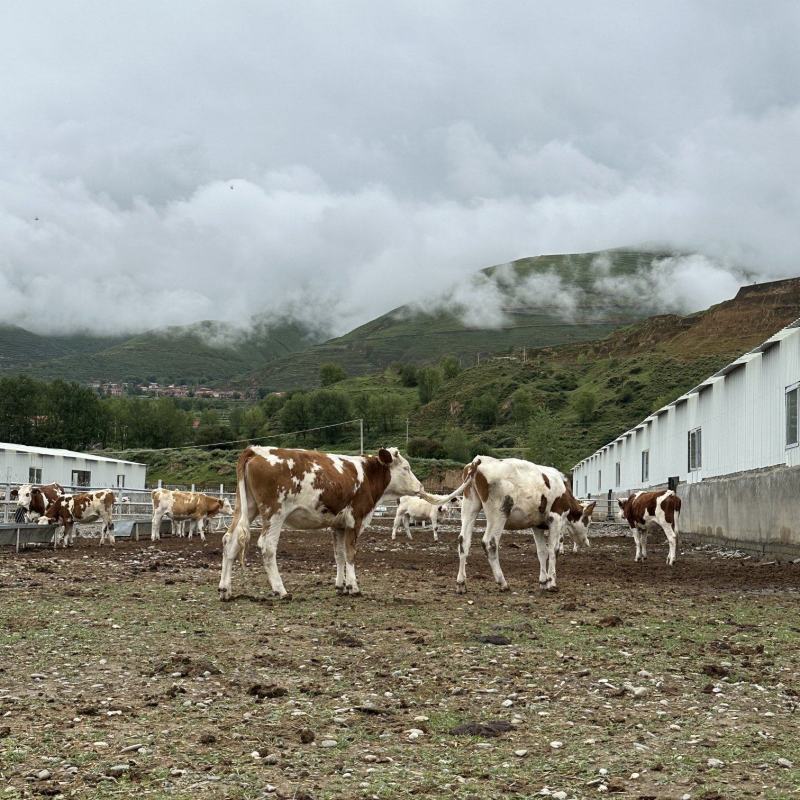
(406, 334)
(205, 353)
(20, 349)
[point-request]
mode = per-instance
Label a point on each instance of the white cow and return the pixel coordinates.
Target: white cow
(418, 510)
(193, 507)
(517, 495)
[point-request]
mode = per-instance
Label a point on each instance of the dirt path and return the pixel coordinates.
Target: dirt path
(685, 678)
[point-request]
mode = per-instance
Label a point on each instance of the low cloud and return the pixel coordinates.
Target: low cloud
(160, 168)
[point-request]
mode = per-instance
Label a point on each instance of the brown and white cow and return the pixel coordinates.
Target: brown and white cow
(192, 506)
(651, 509)
(517, 495)
(309, 490)
(33, 500)
(83, 508)
(418, 510)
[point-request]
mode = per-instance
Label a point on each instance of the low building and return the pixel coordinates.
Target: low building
(21, 463)
(731, 445)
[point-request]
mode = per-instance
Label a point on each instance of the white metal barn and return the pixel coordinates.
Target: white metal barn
(736, 431)
(20, 463)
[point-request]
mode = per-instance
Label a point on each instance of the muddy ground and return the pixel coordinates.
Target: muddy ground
(121, 675)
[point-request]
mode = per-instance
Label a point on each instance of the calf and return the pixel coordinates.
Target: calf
(516, 495)
(33, 501)
(659, 509)
(309, 490)
(418, 510)
(88, 507)
(192, 506)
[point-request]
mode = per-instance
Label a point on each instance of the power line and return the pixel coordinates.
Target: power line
(233, 441)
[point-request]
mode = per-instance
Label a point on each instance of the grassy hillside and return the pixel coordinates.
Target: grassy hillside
(406, 335)
(208, 352)
(21, 349)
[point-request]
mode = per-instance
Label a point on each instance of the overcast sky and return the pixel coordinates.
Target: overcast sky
(168, 162)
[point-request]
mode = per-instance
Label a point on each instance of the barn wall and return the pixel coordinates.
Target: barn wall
(752, 511)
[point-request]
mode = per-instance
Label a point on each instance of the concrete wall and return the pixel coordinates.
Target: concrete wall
(757, 511)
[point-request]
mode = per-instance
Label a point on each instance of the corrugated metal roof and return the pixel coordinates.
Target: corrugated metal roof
(52, 451)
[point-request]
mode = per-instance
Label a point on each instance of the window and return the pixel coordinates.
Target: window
(121, 481)
(34, 474)
(599, 480)
(585, 485)
(81, 477)
(645, 465)
(617, 474)
(791, 415)
(695, 449)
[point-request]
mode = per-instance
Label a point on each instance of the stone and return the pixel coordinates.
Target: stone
(521, 753)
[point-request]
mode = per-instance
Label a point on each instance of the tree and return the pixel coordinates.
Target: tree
(384, 409)
(584, 403)
(327, 407)
(482, 410)
(421, 447)
(522, 405)
(295, 414)
(429, 379)
(450, 367)
(408, 375)
(458, 446)
(331, 373)
(545, 445)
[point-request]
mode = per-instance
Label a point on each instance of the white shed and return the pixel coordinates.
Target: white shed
(21, 463)
(742, 418)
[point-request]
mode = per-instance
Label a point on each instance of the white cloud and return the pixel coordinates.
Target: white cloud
(380, 153)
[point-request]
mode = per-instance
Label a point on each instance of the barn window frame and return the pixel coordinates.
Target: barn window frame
(121, 480)
(81, 477)
(599, 480)
(792, 407)
(695, 447)
(34, 475)
(645, 465)
(617, 473)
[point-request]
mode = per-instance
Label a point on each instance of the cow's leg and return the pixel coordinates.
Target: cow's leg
(155, 530)
(234, 542)
(643, 540)
(338, 554)
(495, 524)
(540, 537)
(671, 540)
(397, 517)
(554, 540)
(350, 549)
(637, 541)
(469, 513)
(268, 544)
(435, 526)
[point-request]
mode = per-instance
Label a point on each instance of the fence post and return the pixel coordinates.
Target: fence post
(159, 483)
(6, 504)
(610, 515)
(192, 490)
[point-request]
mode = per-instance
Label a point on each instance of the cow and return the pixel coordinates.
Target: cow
(652, 509)
(418, 510)
(33, 500)
(192, 506)
(86, 507)
(517, 495)
(310, 490)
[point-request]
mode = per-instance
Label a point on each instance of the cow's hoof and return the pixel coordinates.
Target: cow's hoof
(504, 587)
(552, 588)
(224, 595)
(340, 590)
(461, 588)
(285, 596)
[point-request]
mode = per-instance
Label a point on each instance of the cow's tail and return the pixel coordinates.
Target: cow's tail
(241, 523)
(469, 477)
(676, 514)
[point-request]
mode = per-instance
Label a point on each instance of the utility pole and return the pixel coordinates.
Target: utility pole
(361, 428)
(406, 433)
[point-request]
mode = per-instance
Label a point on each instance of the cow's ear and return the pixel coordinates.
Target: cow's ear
(385, 456)
(34, 491)
(587, 512)
(621, 503)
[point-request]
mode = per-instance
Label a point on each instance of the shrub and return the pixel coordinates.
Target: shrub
(331, 373)
(429, 379)
(422, 447)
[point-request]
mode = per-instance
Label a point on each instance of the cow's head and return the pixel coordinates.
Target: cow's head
(623, 504)
(24, 495)
(227, 509)
(579, 528)
(402, 481)
(53, 513)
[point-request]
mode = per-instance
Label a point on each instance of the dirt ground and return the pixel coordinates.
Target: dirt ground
(122, 675)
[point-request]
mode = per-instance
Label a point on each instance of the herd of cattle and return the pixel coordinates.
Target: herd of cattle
(310, 490)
